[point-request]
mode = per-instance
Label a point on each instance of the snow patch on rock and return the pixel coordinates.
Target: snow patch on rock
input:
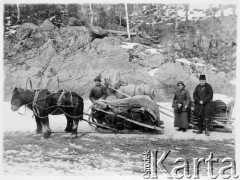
(129, 45)
(152, 71)
(185, 61)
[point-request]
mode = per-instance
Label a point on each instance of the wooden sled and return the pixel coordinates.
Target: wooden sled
(126, 116)
(221, 119)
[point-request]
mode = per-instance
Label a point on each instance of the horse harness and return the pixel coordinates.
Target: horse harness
(60, 99)
(59, 102)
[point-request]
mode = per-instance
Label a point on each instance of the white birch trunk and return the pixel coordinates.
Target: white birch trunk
(91, 21)
(18, 12)
(176, 19)
(128, 31)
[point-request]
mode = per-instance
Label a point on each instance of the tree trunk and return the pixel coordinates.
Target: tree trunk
(211, 11)
(65, 15)
(78, 11)
(222, 13)
(186, 9)
(18, 13)
(160, 11)
(83, 11)
(91, 21)
(126, 11)
(176, 19)
(137, 28)
(234, 10)
(120, 20)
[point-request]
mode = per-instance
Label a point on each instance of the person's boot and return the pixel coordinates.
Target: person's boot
(207, 127)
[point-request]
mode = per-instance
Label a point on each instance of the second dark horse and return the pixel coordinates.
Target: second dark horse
(43, 103)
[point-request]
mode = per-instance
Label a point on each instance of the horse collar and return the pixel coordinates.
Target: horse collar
(59, 102)
(36, 97)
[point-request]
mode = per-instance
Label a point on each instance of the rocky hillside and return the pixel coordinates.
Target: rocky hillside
(213, 40)
(70, 57)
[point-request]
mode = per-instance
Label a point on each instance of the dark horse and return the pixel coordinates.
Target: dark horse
(43, 103)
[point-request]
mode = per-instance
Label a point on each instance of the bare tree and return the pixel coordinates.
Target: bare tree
(234, 10)
(160, 10)
(176, 18)
(211, 11)
(18, 13)
(91, 12)
(120, 18)
(126, 11)
(83, 11)
(79, 12)
(222, 8)
(186, 7)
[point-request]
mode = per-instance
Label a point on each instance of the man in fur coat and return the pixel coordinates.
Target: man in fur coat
(203, 96)
(98, 91)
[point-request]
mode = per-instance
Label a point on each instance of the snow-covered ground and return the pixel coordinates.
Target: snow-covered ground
(13, 121)
(128, 45)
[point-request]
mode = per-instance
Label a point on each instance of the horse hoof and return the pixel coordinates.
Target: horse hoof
(68, 130)
(38, 131)
(47, 134)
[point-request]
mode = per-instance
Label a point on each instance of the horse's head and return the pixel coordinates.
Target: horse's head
(116, 84)
(119, 83)
(108, 85)
(17, 101)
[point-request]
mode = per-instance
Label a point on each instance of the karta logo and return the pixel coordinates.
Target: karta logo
(153, 166)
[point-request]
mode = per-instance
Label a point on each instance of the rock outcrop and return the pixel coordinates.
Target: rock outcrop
(71, 57)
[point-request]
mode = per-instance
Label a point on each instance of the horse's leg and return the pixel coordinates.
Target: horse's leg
(75, 126)
(77, 114)
(46, 129)
(39, 125)
(69, 124)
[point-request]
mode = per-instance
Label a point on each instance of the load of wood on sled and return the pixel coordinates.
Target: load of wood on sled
(133, 113)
